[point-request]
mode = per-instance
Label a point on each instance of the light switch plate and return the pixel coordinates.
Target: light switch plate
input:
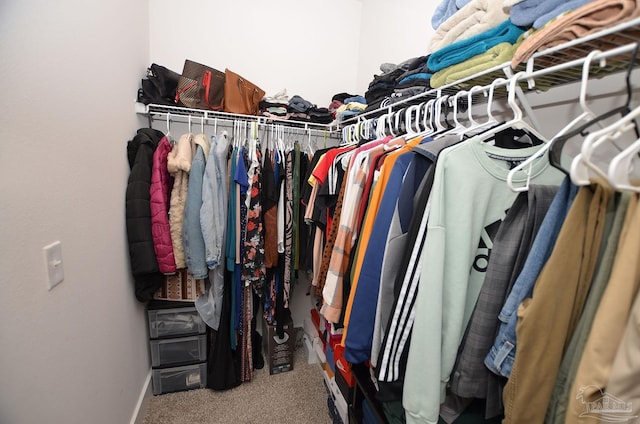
(53, 262)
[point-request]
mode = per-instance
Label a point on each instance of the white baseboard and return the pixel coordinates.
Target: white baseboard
(141, 406)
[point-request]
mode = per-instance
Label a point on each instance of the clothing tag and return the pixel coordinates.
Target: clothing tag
(512, 161)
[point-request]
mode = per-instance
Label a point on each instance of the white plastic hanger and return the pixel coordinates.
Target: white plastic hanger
(605, 135)
(380, 127)
(491, 120)
(409, 120)
(473, 124)
(391, 118)
(427, 118)
(437, 113)
(453, 101)
(168, 134)
(621, 165)
(365, 130)
(517, 122)
(586, 115)
(417, 118)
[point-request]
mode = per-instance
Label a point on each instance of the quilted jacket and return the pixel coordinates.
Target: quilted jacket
(144, 265)
(161, 184)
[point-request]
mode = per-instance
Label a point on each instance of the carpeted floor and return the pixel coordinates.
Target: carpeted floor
(294, 397)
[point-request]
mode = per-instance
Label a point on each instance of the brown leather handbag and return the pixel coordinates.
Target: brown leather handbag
(200, 87)
(240, 95)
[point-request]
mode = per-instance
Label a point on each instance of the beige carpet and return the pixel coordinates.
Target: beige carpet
(295, 397)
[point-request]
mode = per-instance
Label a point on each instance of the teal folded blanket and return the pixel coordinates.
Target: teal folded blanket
(466, 49)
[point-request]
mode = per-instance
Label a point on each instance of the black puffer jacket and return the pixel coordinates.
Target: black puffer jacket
(144, 265)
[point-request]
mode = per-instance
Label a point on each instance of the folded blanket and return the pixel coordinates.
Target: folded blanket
(564, 7)
(508, 4)
(590, 18)
(475, 18)
(358, 99)
(423, 69)
(478, 44)
(279, 97)
(527, 12)
(445, 9)
(414, 77)
(495, 56)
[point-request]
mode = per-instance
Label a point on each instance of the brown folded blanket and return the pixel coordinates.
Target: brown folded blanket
(585, 20)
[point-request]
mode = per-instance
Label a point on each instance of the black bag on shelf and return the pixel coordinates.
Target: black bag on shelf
(159, 87)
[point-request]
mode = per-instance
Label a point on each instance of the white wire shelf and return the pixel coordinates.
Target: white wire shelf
(183, 114)
(565, 62)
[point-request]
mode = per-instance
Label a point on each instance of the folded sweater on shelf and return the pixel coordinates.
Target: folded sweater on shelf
(474, 18)
(585, 20)
(463, 50)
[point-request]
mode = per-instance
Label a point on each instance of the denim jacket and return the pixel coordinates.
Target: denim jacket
(501, 357)
(213, 214)
(213, 220)
(194, 250)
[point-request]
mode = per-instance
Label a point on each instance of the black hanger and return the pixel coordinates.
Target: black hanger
(555, 150)
(514, 138)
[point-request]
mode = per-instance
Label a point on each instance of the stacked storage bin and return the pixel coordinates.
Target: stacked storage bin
(178, 344)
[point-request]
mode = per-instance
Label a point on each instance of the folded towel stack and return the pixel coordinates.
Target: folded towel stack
(495, 56)
(463, 50)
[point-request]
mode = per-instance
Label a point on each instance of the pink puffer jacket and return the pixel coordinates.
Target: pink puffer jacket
(161, 185)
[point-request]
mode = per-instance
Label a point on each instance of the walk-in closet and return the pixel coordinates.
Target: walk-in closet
(336, 212)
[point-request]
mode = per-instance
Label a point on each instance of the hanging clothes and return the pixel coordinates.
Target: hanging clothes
(470, 379)
(253, 261)
(213, 221)
(179, 165)
(609, 322)
(161, 186)
(288, 227)
(463, 220)
(552, 313)
(561, 394)
(192, 232)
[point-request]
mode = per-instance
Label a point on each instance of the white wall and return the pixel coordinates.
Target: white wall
(69, 73)
(392, 32)
(309, 48)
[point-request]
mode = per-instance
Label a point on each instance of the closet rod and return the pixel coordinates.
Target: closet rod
(196, 120)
